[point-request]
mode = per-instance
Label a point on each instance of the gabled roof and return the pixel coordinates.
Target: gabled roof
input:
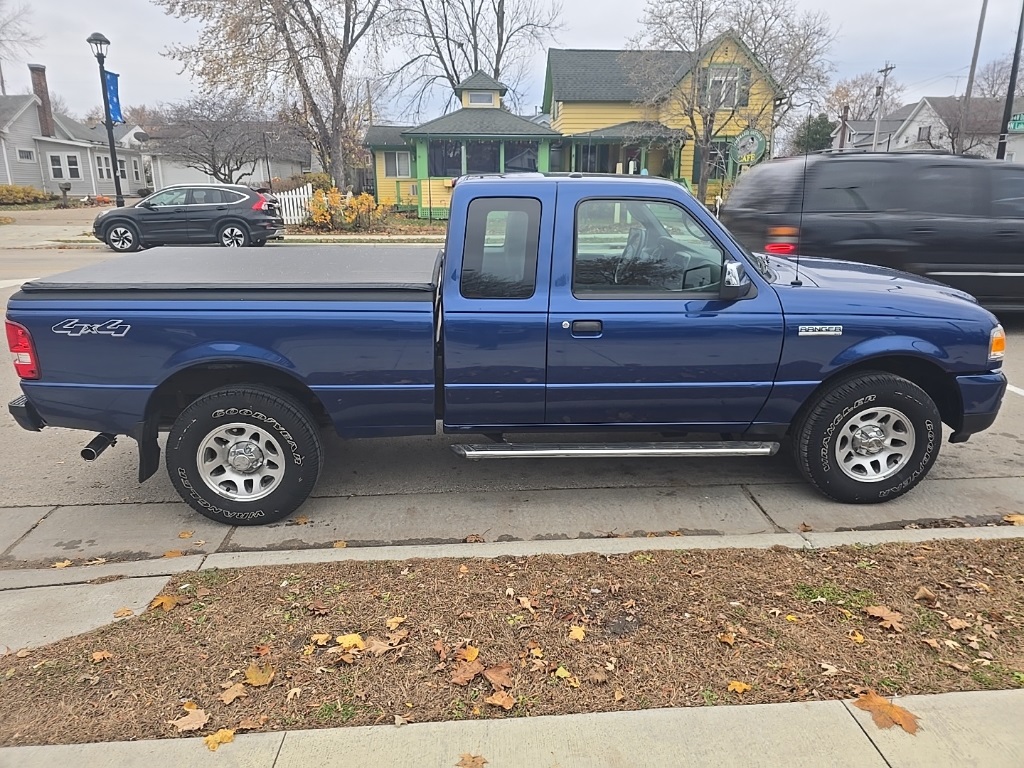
(602, 75)
(481, 122)
(11, 108)
(386, 135)
(635, 130)
(77, 131)
(480, 81)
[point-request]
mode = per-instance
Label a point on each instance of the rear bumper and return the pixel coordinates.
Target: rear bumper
(25, 414)
(981, 396)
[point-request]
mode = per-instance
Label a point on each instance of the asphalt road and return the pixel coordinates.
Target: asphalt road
(416, 490)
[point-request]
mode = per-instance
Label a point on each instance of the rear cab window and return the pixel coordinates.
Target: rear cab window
(852, 185)
(500, 252)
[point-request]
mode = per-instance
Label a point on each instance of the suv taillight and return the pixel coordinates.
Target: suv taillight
(23, 351)
(261, 204)
(782, 241)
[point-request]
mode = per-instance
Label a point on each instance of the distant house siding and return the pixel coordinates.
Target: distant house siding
(72, 160)
(168, 171)
(392, 191)
(129, 185)
(581, 116)
(21, 135)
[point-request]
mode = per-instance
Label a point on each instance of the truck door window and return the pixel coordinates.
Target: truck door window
(1008, 193)
(500, 255)
(655, 249)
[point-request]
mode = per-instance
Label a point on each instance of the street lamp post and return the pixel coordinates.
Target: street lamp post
(99, 44)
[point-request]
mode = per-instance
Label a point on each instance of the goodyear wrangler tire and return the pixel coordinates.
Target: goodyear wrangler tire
(870, 439)
(244, 455)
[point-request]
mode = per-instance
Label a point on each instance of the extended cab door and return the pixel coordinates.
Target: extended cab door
(637, 333)
(495, 304)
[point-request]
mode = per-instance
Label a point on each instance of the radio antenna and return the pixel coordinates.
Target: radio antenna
(803, 197)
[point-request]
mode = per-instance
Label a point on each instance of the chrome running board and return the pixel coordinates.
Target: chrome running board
(611, 450)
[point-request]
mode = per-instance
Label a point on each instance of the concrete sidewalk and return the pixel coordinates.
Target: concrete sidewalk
(956, 730)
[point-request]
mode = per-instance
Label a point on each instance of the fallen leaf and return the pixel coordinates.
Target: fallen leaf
(193, 721)
(469, 653)
(885, 713)
(465, 671)
(537, 653)
(351, 641)
(1014, 519)
(887, 618)
(510, 593)
(96, 561)
(167, 602)
(499, 676)
(856, 636)
(394, 622)
(573, 682)
(377, 647)
(932, 643)
(440, 650)
(301, 520)
(792, 619)
(185, 534)
(957, 624)
(174, 553)
(400, 721)
(318, 608)
(122, 613)
(235, 691)
(24, 653)
(925, 595)
(729, 638)
(501, 699)
(563, 673)
(223, 736)
(804, 528)
(957, 667)
(251, 723)
(258, 676)
(597, 677)
(576, 633)
(952, 644)
(471, 761)
(293, 694)
(188, 706)
(261, 650)
(986, 655)
(828, 670)
(394, 638)
(99, 656)
(320, 638)
(737, 687)
(198, 543)
(474, 538)
(526, 603)
(619, 695)
(61, 564)
(463, 569)
(203, 592)
(340, 544)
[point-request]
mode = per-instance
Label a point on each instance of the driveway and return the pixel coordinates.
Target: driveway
(44, 229)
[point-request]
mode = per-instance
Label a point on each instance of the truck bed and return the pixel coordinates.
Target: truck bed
(405, 269)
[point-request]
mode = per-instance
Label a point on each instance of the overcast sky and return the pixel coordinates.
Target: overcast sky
(929, 41)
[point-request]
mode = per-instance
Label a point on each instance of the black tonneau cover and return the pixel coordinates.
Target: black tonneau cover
(273, 268)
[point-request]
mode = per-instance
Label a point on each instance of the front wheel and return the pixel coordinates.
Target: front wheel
(123, 238)
(244, 455)
(870, 439)
(233, 236)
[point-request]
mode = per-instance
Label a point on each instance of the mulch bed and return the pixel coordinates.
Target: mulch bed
(512, 637)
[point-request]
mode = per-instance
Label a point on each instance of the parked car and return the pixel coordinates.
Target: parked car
(957, 220)
(230, 215)
(565, 305)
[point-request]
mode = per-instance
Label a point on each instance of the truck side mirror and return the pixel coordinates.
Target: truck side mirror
(735, 283)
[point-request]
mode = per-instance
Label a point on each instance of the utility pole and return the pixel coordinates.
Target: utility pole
(842, 126)
(1011, 92)
(880, 93)
(965, 105)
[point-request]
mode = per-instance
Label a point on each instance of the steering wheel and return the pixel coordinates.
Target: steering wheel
(635, 243)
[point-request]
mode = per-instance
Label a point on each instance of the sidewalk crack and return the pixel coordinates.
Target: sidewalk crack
(867, 735)
(750, 495)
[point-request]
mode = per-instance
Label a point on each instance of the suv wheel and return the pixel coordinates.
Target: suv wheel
(123, 238)
(233, 236)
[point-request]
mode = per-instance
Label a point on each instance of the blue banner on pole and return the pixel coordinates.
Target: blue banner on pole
(112, 97)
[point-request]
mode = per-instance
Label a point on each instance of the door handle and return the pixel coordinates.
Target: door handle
(222, 207)
(586, 327)
(923, 231)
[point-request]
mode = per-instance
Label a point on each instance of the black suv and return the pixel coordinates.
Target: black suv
(958, 220)
(231, 215)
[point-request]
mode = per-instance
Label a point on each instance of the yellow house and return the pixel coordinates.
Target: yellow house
(639, 111)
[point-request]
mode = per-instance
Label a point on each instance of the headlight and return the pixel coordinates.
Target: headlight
(997, 345)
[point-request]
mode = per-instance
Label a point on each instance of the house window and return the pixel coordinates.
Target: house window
(521, 156)
(397, 165)
(135, 169)
(924, 133)
(719, 169)
(444, 159)
(483, 156)
(122, 169)
(723, 85)
(103, 167)
(27, 155)
(74, 171)
(481, 97)
(56, 167)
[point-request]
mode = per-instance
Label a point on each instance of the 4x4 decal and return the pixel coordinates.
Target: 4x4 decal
(75, 327)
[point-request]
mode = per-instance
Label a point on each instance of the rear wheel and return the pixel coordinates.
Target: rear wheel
(872, 438)
(244, 455)
(123, 238)
(233, 236)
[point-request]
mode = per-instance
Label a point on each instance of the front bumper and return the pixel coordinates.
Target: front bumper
(25, 414)
(981, 396)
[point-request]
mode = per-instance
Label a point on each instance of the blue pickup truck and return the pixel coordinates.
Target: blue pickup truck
(607, 316)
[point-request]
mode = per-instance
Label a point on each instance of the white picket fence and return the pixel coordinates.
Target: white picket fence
(294, 207)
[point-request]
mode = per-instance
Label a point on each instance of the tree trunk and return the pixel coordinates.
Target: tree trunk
(702, 181)
(337, 169)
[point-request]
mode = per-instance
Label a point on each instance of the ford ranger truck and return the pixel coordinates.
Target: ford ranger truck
(560, 305)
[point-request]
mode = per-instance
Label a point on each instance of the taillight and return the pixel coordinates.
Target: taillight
(782, 241)
(261, 204)
(23, 351)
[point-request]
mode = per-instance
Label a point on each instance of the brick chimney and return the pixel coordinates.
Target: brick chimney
(40, 89)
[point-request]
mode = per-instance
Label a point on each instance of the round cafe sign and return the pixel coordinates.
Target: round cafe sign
(749, 147)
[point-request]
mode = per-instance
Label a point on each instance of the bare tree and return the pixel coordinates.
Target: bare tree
(15, 35)
(790, 46)
(858, 93)
(452, 40)
(138, 114)
(310, 47)
(217, 134)
(993, 80)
